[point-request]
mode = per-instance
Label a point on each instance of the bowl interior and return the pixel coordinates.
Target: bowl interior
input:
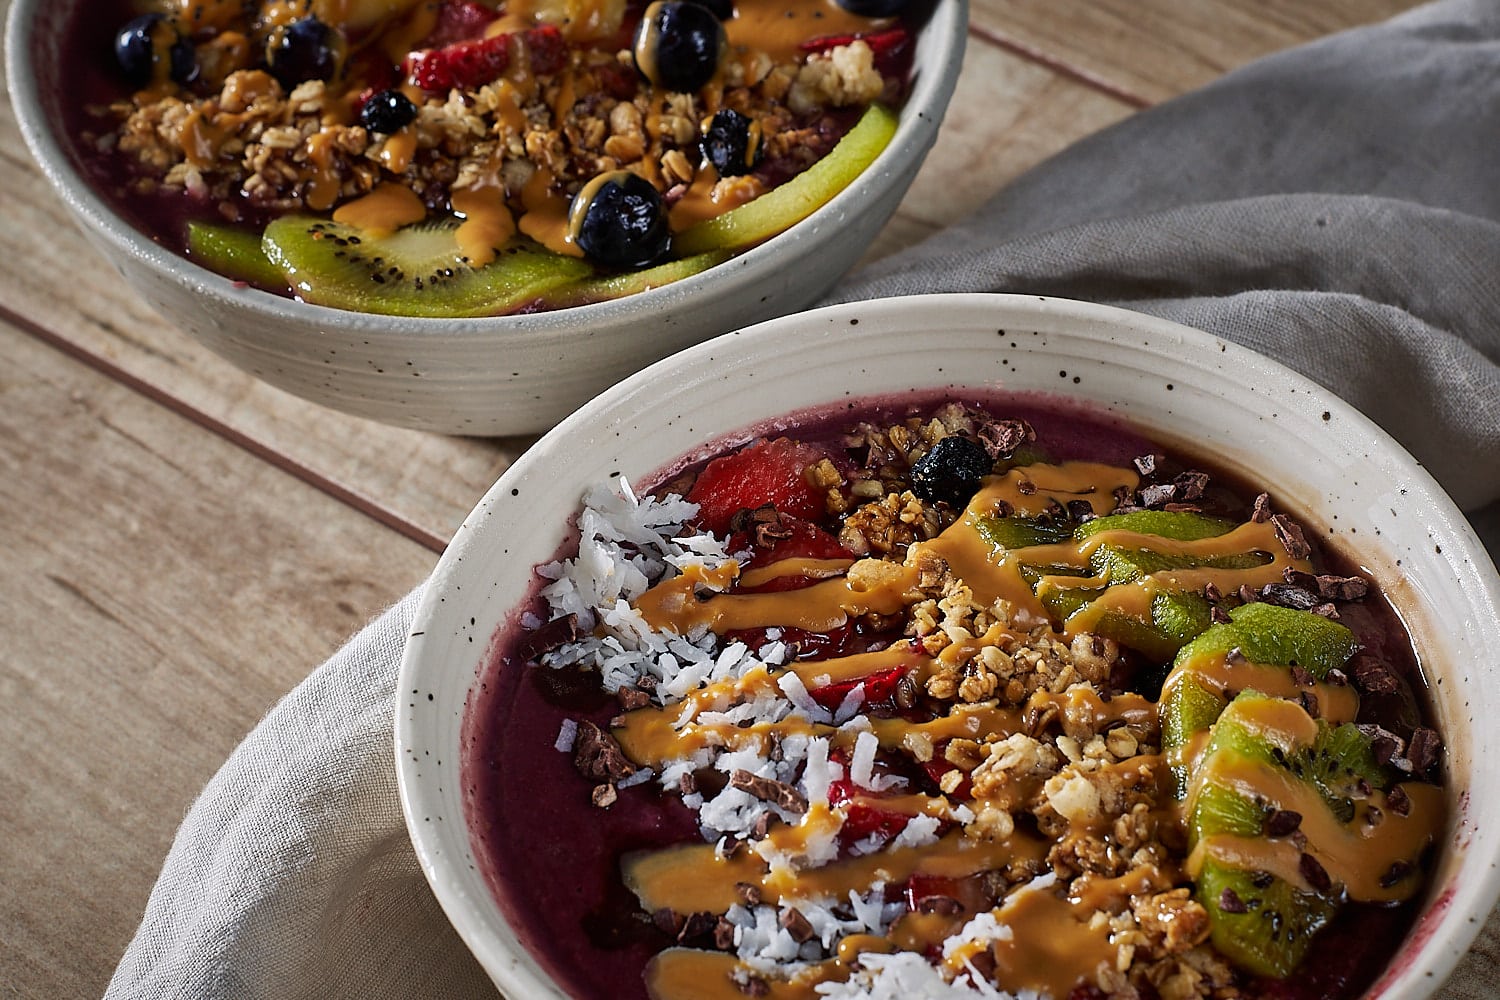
(1320, 458)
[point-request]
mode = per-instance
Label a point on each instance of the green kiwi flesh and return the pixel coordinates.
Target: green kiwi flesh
(1263, 633)
(619, 285)
(1263, 923)
(235, 253)
(418, 270)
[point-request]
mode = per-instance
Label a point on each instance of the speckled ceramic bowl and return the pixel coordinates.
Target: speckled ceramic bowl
(1323, 460)
(499, 375)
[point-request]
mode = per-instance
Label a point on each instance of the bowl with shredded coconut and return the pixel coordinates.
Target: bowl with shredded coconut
(795, 682)
(469, 216)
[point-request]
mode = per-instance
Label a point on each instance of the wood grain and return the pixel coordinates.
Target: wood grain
(1029, 113)
(1157, 49)
(162, 589)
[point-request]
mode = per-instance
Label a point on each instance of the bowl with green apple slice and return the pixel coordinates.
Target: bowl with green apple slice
(470, 216)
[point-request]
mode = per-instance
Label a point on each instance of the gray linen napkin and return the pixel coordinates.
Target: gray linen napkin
(1336, 207)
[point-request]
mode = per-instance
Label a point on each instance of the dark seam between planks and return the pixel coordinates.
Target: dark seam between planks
(365, 505)
(1062, 68)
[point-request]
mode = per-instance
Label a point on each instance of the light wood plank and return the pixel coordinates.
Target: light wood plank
(1029, 113)
(1157, 49)
(160, 590)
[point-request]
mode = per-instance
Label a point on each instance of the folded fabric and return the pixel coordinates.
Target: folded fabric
(1333, 207)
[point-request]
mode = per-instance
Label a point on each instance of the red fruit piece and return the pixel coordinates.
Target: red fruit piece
(879, 687)
(806, 541)
(890, 47)
(770, 472)
(459, 21)
(470, 64)
(880, 42)
(938, 893)
(862, 821)
(939, 766)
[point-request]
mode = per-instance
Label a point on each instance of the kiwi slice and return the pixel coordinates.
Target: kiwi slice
(235, 253)
(784, 206)
(1015, 532)
(619, 285)
(1263, 633)
(418, 270)
(1259, 921)
(1121, 564)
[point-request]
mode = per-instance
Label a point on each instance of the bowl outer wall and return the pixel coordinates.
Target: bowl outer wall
(1246, 411)
(496, 375)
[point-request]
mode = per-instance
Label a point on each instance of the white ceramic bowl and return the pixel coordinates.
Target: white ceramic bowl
(498, 375)
(1323, 460)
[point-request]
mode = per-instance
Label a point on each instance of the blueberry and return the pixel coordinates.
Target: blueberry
(678, 46)
(137, 50)
(306, 49)
(874, 8)
(722, 9)
(732, 143)
(618, 220)
(388, 111)
(951, 471)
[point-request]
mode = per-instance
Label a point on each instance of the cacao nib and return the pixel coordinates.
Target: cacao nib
(769, 790)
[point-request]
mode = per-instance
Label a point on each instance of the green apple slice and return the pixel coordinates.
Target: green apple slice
(783, 207)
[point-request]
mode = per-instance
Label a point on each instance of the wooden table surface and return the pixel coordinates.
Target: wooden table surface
(182, 544)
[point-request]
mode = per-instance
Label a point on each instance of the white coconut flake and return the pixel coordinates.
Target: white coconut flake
(639, 777)
(918, 832)
(850, 705)
(796, 692)
(567, 735)
(983, 928)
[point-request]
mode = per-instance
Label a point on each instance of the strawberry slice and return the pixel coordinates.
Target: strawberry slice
(769, 472)
(937, 893)
(459, 21)
(879, 687)
(469, 64)
(863, 821)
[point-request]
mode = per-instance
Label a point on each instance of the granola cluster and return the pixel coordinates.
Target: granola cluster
(237, 138)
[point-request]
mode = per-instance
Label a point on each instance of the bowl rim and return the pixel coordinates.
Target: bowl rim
(1435, 945)
(919, 119)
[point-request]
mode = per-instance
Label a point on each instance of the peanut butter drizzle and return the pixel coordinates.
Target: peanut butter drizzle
(1050, 949)
(1356, 854)
(322, 189)
(397, 151)
(1091, 891)
(780, 29)
(357, 15)
(817, 569)
(705, 975)
(546, 217)
(996, 574)
(1084, 702)
(709, 197)
(488, 224)
(692, 878)
(200, 140)
(822, 607)
(1337, 703)
(382, 211)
